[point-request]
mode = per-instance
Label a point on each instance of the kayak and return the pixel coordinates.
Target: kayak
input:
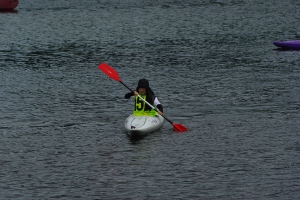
(8, 4)
(137, 126)
(291, 44)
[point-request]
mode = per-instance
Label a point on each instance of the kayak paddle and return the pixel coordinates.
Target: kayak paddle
(110, 72)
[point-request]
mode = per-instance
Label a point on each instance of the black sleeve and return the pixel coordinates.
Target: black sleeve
(160, 107)
(128, 95)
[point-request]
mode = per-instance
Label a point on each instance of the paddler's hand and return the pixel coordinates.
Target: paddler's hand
(159, 112)
(135, 93)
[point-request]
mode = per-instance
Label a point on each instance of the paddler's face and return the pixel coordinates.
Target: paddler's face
(142, 91)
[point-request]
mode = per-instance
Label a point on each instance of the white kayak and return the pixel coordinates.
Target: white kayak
(142, 125)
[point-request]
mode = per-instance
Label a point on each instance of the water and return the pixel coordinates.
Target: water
(211, 63)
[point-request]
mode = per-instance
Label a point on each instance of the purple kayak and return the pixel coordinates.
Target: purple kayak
(291, 44)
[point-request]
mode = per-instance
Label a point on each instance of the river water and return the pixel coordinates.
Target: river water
(212, 65)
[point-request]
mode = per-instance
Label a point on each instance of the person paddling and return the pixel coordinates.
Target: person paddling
(140, 107)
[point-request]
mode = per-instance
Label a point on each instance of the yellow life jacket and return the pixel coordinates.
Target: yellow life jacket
(141, 108)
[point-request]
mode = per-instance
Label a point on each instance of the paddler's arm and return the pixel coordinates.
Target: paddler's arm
(160, 109)
(128, 95)
(158, 106)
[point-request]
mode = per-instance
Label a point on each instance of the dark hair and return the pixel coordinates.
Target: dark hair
(143, 83)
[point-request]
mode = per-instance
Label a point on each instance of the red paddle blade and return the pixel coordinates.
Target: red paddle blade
(109, 71)
(179, 127)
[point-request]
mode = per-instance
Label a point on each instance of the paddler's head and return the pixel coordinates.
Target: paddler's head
(143, 86)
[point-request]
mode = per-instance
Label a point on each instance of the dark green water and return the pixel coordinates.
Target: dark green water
(211, 63)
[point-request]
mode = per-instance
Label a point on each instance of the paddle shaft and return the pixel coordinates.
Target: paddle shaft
(146, 102)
